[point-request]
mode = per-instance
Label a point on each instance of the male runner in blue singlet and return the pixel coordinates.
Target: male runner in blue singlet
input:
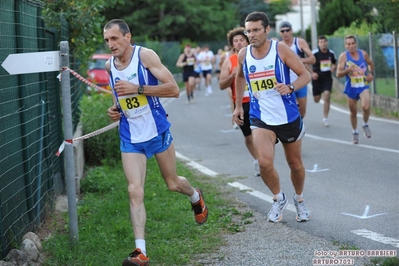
(357, 67)
(144, 128)
(265, 66)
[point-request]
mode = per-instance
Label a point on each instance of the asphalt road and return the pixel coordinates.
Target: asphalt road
(352, 191)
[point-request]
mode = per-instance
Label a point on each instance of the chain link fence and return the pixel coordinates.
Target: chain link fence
(30, 123)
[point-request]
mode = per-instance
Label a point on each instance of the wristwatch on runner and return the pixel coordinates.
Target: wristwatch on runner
(292, 88)
(141, 89)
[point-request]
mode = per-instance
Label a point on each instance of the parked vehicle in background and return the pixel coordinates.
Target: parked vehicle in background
(96, 72)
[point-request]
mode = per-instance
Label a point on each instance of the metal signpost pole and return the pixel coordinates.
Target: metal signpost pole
(314, 24)
(396, 64)
(374, 88)
(68, 135)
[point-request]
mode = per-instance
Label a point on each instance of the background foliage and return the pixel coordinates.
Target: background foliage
(94, 116)
(335, 14)
(207, 20)
(85, 20)
(176, 19)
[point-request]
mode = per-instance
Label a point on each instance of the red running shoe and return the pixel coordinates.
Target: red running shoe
(200, 209)
(136, 258)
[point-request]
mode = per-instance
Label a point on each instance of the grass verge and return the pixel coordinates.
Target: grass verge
(172, 236)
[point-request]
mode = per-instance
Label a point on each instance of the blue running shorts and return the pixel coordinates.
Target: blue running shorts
(153, 146)
(301, 93)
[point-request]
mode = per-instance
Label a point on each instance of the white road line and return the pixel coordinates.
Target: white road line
(377, 237)
(240, 186)
(197, 166)
(359, 115)
(362, 232)
(259, 194)
(350, 143)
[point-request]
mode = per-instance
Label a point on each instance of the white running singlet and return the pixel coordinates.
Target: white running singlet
(142, 117)
(262, 75)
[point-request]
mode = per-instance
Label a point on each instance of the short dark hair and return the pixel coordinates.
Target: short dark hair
(350, 37)
(123, 27)
(234, 32)
(322, 37)
(256, 16)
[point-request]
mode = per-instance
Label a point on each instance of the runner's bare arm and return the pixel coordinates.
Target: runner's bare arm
(168, 86)
(293, 62)
(240, 78)
(226, 78)
(310, 58)
(370, 74)
(341, 71)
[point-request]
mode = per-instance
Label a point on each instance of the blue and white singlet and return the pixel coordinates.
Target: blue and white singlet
(262, 75)
(297, 50)
(142, 117)
(357, 79)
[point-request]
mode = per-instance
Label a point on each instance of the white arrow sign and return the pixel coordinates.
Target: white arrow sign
(315, 169)
(365, 214)
(26, 63)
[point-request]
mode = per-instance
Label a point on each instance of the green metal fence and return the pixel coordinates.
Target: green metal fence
(30, 123)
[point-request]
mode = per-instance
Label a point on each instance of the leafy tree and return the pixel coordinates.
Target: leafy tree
(247, 6)
(338, 13)
(177, 19)
(271, 9)
(384, 13)
(85, 23)
(356, 29)
(278, 7)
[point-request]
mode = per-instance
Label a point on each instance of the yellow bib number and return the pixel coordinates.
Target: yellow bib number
(134, 105)
(263, 84)
(325, 65)
(132, 102)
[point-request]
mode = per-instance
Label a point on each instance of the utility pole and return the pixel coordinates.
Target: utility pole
(314, 23)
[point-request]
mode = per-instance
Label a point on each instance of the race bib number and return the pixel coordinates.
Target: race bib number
(357, 80)
(325, 65)
(190, 61)
(263, 82)
(134, 105)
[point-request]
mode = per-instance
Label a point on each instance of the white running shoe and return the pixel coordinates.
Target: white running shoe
(208, 91)
(355, 138)
(276, 213)
(325, 122)
(367, 131)
(302, 214)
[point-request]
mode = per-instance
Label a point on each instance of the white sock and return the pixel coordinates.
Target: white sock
(140, 243)
(355, 131)
(279, 196)
(365, 124)
(195, 197)
(298, 197)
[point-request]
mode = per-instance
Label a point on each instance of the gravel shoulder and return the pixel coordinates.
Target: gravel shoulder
(265, 243)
